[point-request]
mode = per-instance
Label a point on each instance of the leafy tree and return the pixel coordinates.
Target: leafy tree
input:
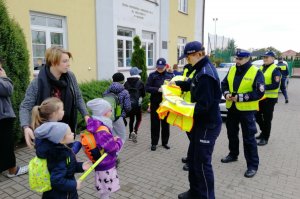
(138, 58)
(231, 47)
(13, 49)
(262, 51)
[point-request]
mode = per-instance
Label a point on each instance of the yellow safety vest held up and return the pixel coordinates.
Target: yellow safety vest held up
(268, 80)
(187, 95)
(245, 87)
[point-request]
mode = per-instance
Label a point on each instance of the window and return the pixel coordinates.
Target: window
(183, 6)
(180, 49)
(46, 31)
(124, 46)
(148, 44)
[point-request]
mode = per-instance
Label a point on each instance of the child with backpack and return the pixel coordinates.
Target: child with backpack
(136, 89)
(100, 125)
(119, 99)
(51, 140)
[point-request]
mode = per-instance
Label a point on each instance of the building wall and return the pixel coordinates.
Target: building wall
(180, 25)
(80, 27)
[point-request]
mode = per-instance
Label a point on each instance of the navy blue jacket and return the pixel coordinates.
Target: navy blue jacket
(275, 84)
(284, 73)
(258, 85)
(154, 82)
(205, 92)
(61, 172)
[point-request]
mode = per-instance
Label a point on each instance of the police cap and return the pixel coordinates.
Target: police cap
(190, 48)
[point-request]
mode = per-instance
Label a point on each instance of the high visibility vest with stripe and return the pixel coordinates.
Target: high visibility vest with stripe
(268, 80)
(245, 87)
(283, 67)
(187, 95)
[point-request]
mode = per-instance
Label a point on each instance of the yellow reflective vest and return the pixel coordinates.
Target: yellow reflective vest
(245, 87)
(268, 80)
(283, 67)
(187, 95)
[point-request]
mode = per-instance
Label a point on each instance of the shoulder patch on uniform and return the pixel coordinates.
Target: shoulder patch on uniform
(261, 88)
(277, 78)
(246, 97)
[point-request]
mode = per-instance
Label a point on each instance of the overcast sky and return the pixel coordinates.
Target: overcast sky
(256, 23)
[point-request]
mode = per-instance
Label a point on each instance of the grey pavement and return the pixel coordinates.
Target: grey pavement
(145, 174)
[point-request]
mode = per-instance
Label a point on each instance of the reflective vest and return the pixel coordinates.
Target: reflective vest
(244, 87)
(268, 80)
(187, 95)
(178, 112)
(283, 67)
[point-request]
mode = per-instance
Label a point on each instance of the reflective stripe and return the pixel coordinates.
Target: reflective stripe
(205, 181)
(268, 74)
(244, 87)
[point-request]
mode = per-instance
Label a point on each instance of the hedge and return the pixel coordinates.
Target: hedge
(13, 49)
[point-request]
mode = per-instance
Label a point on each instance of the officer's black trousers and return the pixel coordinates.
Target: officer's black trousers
(201, 176)
(264, 116)
(156, 123)
(247, 121)
(283, 87)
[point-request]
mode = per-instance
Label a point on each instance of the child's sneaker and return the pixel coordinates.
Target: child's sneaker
(20, 171)
(130, 136)
(134, 137)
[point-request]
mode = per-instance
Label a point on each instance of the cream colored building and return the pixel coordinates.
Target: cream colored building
(99, 33)
(67, 23)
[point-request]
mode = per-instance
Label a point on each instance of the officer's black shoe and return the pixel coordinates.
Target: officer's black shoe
(153, 148)
(286, 101)
(166, 146)
(262, 142)
(186, 167)
(184, 160)
(228, 159)
(258, 137)
(186, 195)
(250, 173)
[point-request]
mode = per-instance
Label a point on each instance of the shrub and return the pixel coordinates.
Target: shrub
(138, 58)
(13, 49)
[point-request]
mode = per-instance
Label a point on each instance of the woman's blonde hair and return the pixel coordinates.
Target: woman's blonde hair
(42, 113)
(53, 55)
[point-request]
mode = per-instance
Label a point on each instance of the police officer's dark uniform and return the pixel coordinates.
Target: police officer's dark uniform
(246, 83)
(284, 77)
(206, 93)
(266, 106)
(154, 82)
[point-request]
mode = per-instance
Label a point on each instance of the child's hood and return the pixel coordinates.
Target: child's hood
(53, 131)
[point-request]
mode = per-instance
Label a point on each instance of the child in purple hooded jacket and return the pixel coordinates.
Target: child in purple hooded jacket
(106, 177)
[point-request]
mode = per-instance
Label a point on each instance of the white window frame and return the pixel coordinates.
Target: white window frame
(183, 6)
(124, 40)
(145, 44)
(48, 30)
(181, 42)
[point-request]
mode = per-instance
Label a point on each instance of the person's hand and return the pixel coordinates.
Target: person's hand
(234, 98)
(86, 165)
(228, 97)
(29, 137)
(116, 137)
(160, 89)
(2, 72)
(86, 118)
(172, 83)
(79, 182)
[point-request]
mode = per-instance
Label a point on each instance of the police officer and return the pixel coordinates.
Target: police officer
(153, 86)
(284, 78)
(206, 94)
(242, 88)
(266, 106)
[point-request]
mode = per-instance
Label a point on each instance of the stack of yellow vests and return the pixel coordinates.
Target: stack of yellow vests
(178, 112)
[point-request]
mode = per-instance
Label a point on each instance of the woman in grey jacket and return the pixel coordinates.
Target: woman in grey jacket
(54, 80)
(7, 117)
